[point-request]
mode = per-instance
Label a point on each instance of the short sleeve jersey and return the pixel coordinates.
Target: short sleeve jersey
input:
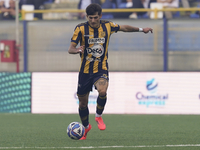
(96, 42)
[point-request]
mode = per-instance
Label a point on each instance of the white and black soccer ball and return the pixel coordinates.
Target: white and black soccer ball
(75, 130)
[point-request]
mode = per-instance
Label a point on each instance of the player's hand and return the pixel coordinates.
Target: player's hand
(80, 49)
(147, 30)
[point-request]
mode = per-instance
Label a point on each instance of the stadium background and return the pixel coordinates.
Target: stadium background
(150, 75)
(46, 43)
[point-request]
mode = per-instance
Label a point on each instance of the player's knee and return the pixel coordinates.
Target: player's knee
(82, 104)
(102, 92)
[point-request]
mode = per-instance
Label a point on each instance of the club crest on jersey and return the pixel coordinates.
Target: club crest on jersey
(96, 50)
(103, 34)
(96, 40)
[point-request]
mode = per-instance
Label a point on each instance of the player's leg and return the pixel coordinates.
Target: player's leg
(84, 114)
(84, 88)
(101, 86)
(83, 109)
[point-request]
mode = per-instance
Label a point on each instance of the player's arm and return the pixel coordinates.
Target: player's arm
(128, 28)
(73, 50)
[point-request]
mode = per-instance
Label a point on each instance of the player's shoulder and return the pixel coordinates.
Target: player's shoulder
(81, 24)
(107, 21)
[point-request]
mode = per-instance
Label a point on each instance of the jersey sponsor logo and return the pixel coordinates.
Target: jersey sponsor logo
(88, 35)
(92, 59)
(96, 50)
(96, 40)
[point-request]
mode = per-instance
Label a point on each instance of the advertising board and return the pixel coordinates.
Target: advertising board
(128, 93)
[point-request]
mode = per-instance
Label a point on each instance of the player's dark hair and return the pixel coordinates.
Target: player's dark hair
(93, 8)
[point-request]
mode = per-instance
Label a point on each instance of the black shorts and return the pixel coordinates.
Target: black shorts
(86, 81)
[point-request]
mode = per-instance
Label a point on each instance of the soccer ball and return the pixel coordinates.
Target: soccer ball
(75, 130)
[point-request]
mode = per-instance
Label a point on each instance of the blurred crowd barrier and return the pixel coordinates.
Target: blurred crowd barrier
(150, 13)
(48, 41)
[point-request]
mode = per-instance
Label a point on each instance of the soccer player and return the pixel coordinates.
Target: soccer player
(93, 37)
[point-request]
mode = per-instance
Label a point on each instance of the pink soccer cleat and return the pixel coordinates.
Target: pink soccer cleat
(86, 131)
(100, 123)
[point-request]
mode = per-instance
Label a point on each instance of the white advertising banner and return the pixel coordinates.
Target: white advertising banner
(128, 93)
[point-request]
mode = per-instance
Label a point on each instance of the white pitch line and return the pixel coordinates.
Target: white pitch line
(104, 147)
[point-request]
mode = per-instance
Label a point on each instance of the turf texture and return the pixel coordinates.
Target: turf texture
(123, 132)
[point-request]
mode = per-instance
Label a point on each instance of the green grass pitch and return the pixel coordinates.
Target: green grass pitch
(123, 132)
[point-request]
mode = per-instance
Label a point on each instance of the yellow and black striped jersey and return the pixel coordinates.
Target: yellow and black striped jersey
(96, 42)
